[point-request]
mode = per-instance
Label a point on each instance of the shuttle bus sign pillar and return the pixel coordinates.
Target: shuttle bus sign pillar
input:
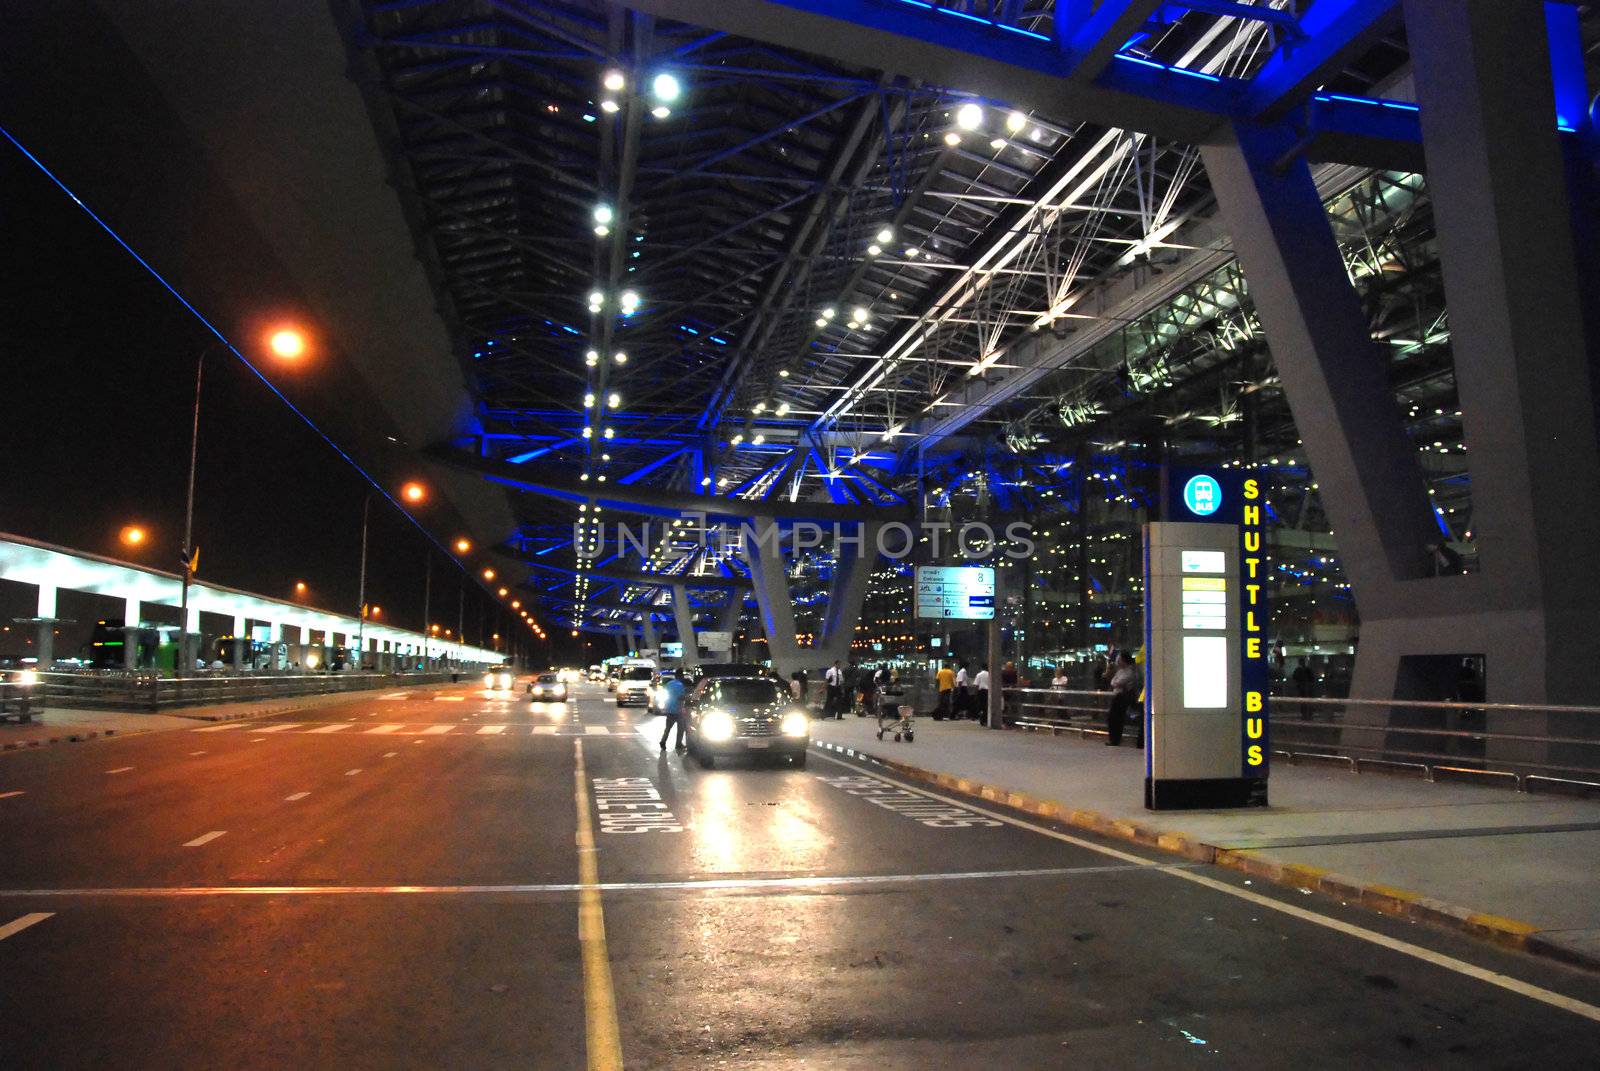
(1206, 644)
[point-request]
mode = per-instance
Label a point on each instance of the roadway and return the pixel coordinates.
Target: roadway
(401, 881)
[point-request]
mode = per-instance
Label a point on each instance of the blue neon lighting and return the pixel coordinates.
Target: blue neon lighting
(1371, 102)
(1024, 33)
(1166, 67)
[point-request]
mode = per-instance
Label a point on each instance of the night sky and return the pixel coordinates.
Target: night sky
(99, 377)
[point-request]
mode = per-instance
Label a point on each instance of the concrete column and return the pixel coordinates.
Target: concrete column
(45, 638)
(132, 611)
(647, 631)
(190, 643)
(1503, 208)
(241, 641)
(771, 576)
(855, 558)
(683, 617)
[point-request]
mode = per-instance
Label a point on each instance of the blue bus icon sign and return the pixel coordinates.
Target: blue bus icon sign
(1202, 495)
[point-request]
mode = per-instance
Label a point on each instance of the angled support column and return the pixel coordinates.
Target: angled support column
(728, 618)
(648, 637)
(1336, 381)
(771, 576)
(856, 555)
(1503, 209)
(1335, 378)
(683, 617)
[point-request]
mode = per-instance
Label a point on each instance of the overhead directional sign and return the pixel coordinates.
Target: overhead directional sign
(955, 592)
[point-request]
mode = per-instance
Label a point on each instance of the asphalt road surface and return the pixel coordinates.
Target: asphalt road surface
(451, 879)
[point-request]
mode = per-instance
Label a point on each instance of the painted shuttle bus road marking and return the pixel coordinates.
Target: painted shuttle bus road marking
(632, 805)
(932, 813)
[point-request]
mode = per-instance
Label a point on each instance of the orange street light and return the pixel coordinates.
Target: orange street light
(299, 587)
(436, 628)
(463, 545)
(515, 605)
(287, 343)
(504, 593)
(377, 611)
(413, 492)
(488, 574)
(132, 535)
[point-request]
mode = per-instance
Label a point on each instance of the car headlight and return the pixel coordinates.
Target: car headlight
(504, 680)
(716, 726)
(28, 677)
(488, 680)
(794, 723)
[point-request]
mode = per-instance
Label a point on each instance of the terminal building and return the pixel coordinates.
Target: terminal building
(672, 267)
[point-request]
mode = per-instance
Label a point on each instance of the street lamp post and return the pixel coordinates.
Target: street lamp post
(286, 343)
(185, 661)
(361, 592)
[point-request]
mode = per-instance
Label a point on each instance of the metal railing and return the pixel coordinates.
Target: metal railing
(148, 692)
(1520, 744)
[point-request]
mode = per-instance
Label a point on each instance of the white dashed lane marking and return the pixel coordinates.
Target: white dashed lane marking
(17, 925)
(296, 796)
(204, 838)
(8, 795)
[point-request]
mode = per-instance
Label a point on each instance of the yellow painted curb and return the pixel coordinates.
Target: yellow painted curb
(1400, 903)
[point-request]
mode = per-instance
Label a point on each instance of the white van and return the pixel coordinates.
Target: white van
(635, 678)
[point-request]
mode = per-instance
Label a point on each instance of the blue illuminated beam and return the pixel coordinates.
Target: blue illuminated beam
(1092, 34)
(1333, 33)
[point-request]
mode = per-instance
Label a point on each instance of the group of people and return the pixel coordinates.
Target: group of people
(963, 694)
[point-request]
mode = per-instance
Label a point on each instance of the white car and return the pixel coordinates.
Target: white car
(499, 680)
(547, 688)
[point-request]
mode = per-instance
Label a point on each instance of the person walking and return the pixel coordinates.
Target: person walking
(945, 679)
(869, 694)
(980, 684)
(669, 697)
(958, 701)
(1126, 683)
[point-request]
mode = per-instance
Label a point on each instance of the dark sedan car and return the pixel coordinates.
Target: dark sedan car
(745, 716)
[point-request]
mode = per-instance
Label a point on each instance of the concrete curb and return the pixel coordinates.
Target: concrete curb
(70, 738)
(1400, 903)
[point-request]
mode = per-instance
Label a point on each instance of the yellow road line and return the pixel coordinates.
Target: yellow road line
(602, 1037)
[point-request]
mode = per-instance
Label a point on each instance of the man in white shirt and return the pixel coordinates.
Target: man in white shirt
(981, 683)
(959, 707)
(835, 681)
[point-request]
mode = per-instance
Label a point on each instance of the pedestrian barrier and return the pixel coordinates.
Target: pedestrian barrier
(1524, 745)
(147, 692)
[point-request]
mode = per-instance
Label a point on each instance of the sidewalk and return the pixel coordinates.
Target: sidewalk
(60, 725)
(1522, 870)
